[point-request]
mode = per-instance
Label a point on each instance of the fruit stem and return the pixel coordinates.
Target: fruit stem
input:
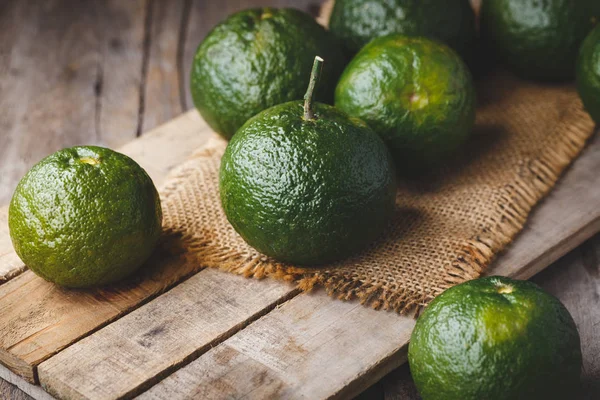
(315, 75)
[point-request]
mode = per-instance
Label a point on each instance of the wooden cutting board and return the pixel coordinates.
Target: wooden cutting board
(184, 332)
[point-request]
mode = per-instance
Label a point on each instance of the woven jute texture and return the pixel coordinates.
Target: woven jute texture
(446, 229)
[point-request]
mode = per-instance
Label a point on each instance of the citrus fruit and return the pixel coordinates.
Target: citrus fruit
(495, 338)
(537, 39)
(357, 22)
(307, 187)
(416, 93)
(588, 73)
(85, 216)
(256, 59)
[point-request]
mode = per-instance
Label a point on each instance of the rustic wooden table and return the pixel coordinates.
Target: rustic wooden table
(103, 72)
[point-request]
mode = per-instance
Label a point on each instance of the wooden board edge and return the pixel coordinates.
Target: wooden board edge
(35, 391)
(373, 374)
(559, 250)
(13, 273)
(17, 366)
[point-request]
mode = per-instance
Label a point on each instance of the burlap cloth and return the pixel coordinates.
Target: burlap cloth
(446, 229)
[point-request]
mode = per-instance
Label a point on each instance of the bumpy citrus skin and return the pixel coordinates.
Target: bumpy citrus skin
(537, 39)
(307, 192)
(85, 216)
(259, 58)
(417, 94)
(357, 22)
(495, 338)
(588, 74)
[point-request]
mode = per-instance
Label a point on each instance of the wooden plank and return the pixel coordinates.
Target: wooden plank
(121, 28)
(304, 372)
(165, 147)
(149, 343)
(52, 318)
(575, 280)
(83, 91)
(162, 89)
(24, 387)
(293, 352)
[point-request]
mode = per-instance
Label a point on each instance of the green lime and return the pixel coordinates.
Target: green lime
(307, 186)
(85, 216)
(416, 93)
(588, 73)
(537, 39)
(357, 22)
(496, 339)
(256, 59)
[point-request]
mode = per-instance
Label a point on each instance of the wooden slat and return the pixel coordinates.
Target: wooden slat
(120, 28)
(165, 147)
(8, 391)
(163, 84)
(312, 347)
(138, 349)
(26, 388)
(56, 317)
(63, 81)
(575, 280)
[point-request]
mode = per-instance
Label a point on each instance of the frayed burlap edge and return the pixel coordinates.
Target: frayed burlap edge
(532, 181)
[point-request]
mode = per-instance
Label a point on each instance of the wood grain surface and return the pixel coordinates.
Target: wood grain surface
(103, 72)
(146, 345)
(312, 347)
(66, 80)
